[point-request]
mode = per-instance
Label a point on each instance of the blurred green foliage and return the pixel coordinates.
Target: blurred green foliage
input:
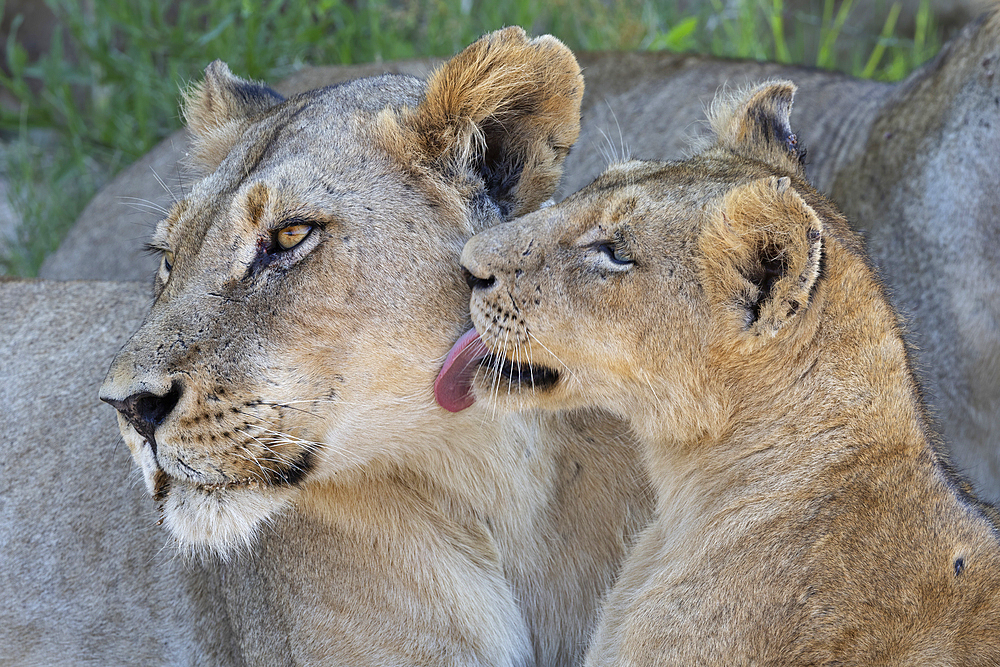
(107, 88)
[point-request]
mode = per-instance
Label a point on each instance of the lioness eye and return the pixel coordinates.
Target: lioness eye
(292, 235)
(168, 260)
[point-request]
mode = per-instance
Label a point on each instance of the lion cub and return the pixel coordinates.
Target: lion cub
(805, 514)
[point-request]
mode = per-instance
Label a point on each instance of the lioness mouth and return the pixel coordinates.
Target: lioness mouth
(453, 386)
(290, 473)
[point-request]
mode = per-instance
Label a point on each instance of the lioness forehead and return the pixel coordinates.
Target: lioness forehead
(322, 124)
(311, 151)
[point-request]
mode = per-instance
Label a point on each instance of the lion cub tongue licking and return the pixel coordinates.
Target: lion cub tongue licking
(453, 385)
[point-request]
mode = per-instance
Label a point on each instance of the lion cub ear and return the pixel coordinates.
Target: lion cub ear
(216, 110)
(755, 123)
(505, 111)
(761, 253)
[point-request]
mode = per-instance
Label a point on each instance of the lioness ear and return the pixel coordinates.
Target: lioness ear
(216, 111)
(754, 123)
(505, 112)
(761, 254)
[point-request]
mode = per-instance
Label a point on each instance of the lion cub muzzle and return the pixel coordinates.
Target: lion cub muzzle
(499, 303)
(469, 357)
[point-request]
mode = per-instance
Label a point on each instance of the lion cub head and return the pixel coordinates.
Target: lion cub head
(649, 284)
(309, 283)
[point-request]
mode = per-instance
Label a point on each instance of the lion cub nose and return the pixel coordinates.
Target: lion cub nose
(145, 411)
(475, 282)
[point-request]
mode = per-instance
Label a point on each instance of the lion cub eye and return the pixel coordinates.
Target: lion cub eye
(292, 235)
(168, 260)
(615, 253)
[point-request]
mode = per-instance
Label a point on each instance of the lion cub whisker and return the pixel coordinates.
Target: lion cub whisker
(565, 367)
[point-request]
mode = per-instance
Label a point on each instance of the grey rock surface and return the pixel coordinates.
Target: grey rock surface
(84, 569)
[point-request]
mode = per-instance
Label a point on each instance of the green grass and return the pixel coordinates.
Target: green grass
(117, 96)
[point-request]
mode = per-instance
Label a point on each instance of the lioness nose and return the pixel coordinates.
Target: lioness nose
(475, 282)
(145, 411)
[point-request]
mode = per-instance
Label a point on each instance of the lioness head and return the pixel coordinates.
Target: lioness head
(309, 284)
(649, 284)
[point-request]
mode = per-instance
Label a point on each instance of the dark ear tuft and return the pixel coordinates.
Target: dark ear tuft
(217, 109)
(755, 123)
(505, 112)
(762, 255)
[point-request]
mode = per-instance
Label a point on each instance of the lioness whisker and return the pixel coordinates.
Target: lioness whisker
(260, 477)
(291, 439)
(143, 205)
(120, 440)
(323, 399)
(164, 185)
(250, 455)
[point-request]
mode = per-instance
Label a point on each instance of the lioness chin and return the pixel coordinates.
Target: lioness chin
(278, 401)
(723, 307)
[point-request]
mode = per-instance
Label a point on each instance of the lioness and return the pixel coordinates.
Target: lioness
(805, 514)
(278, 396)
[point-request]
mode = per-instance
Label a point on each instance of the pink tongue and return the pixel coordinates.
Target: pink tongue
(453, 386)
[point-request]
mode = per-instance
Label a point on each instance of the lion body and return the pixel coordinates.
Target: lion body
(805, 513)
(912, 166)
(847, 157)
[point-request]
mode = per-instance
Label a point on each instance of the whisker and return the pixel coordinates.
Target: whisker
(606, 149)
(533, 336)
(500, 360)
(164, 185)
(140, 204)
(621, 137)
(531, 364)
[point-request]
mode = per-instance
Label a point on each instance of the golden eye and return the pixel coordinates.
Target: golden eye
(292, 235)
(168, 260)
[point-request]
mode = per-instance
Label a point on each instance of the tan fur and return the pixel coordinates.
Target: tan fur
(278, 401)
(217, 115)
(805, 513)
